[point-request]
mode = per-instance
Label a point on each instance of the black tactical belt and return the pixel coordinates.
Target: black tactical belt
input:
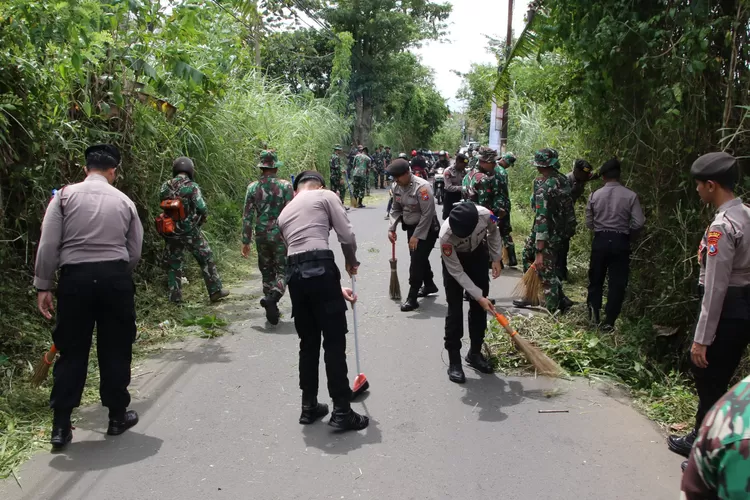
(299, 258)
(90, 267)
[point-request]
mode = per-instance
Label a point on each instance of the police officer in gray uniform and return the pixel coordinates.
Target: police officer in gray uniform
(414, 206)
(468, 240)
(723, 329)
(454, 179)
(318, 300)
(92, 233)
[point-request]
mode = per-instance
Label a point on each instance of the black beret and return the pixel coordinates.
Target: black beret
(103, 155)
(712, 165)
(583, 166)
(398, 167)
(309, 175)
(612, 165)
(463, 219)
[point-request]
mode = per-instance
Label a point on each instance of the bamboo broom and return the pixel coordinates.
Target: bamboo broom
(540, 361)
(530, 288)
(41, 370)
(394, 289)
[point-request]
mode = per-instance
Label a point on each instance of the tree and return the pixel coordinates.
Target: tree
(382, 29)
(477, 90)
(301, 59)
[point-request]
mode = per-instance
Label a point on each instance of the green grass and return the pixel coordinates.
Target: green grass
(626, 356)
(25, 417)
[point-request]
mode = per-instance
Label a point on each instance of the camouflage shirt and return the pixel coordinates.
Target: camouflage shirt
(185, 189)
(485, 190)
(502, 179)
(386, 158)
(553, 208)
(265, 197)
(361, 165)
(377, 161)
(335, 166)
(719, 465)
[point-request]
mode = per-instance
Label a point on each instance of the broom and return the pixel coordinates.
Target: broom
(530, 288)
(360, 381)
(505, 258)
(352, 202)
(394, 289)
(540, 361)
(41, 370)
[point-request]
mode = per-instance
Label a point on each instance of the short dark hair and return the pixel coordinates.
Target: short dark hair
(728, 180)
(102, 157)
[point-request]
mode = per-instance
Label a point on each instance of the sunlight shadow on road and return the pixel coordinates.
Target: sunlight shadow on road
(110, 452)
(489, 394)
(326, 439)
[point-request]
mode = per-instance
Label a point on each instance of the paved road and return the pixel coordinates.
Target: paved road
(219, 421)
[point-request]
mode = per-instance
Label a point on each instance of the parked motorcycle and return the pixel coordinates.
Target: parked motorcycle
(439, 185)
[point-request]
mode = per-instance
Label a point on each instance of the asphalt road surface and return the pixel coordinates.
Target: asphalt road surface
(219, 418)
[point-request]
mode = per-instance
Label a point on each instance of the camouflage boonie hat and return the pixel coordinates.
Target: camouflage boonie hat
(509, 157)
(337, 147)
(487, 154)
(546, 157)
(266, 155)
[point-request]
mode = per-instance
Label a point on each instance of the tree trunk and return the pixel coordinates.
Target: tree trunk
(363, 120)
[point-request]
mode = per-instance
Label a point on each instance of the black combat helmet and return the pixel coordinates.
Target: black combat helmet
(183, 164)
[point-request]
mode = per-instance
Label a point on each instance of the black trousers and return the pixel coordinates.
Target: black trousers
(451, 197)
(100, 294)
(475, 266)
(562, 259)
(725, 353)
(319, 311)
(610, 254)
(420, 270)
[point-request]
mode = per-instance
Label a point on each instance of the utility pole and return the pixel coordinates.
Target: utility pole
(508, 46)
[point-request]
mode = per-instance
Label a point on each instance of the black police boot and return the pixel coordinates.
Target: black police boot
(476, 360)
(360, 204)
(455, 370)
(410, 304)
(684, 465)
(512, 261)
(271, 304)
(681, 444)
(427, 289)
(312, 410)
(61, 436)
(217, 296)
(594, 315)
(521, 303)
(344, 418)
(122, 422)
(175, 297)
(565, 305)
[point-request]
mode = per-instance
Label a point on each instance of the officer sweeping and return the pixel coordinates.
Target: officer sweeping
(92, 233)
(454, 178)
(614, 214)
(318, 300)
(266, 198)
(468, 239)
(187, 235)
(414, 207)
(723, 329)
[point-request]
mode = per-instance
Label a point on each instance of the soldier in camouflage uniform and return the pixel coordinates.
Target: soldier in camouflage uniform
(337, 176)
(501, 173)
(554, 220)
(719, 464)
(266, 198)
(188, 234)
(368, 171)
(474, 159)
(482, 187)
(377, 166)
(359, 177)
(386, 161)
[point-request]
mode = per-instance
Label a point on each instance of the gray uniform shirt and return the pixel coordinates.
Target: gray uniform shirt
(452, 245)
(415, 205)
(97, 223)
(454, 178)
(724, 255)
(614, 208)
(306, 221)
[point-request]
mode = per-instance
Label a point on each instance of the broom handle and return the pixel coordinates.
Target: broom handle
(393, 250)
(505, 324)
(354, 316)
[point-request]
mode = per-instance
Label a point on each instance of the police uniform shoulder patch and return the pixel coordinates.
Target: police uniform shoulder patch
(712, 242)
(424, 194)
(447, 249)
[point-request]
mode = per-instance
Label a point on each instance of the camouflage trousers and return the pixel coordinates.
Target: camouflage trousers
(197, 245)
(368, 177)
(358, 186)
(338, 186)
(548, 275)
(271, 261)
